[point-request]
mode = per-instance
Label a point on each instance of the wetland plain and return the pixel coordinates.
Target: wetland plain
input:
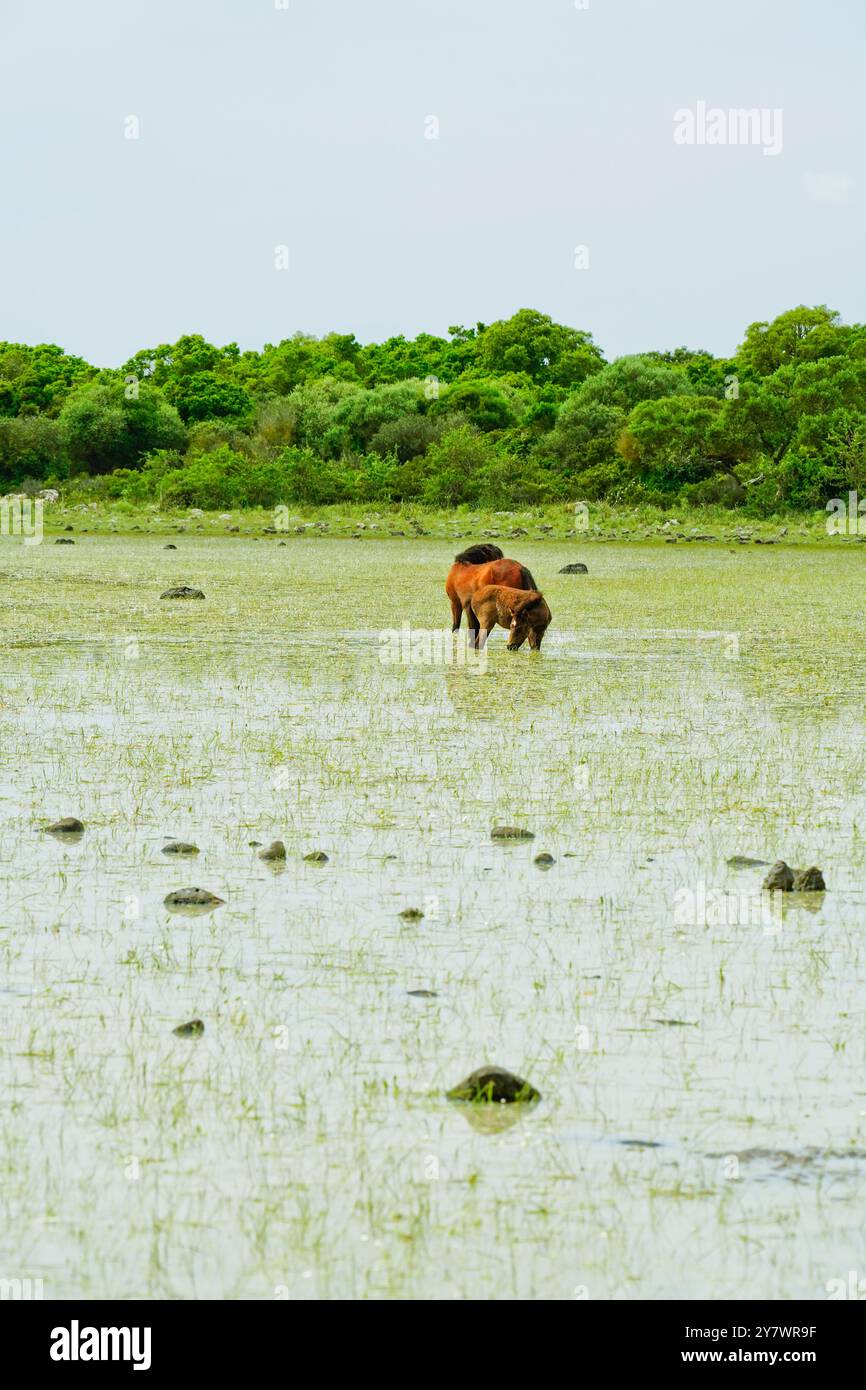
(701, 1131)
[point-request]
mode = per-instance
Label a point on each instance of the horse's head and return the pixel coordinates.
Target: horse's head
(530, 617)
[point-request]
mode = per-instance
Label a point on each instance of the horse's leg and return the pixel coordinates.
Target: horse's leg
(456, 614)
(474, 625)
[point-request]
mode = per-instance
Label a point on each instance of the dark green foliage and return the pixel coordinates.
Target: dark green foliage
(545, 351)
(517, 412)
(37, 379)
(31, 446)
(115, 426)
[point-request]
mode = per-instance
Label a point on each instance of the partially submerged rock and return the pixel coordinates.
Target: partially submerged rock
(577, 568)
(170, 546)
(193, 1029)
(783, 879)
(493, 1086)
(423, 993)
(179, 847)
(544, 861)
(64, 540)
(316, 856)
(182, 591)
(742, 861)
(809, 881)
(411, 914)
(192, 901)
(780, 879)
(68, 827)
(510, 832)
(275, 853)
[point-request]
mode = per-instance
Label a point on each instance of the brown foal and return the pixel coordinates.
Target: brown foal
(524, 612)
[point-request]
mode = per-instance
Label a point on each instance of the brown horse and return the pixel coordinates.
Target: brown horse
(472, 569)
(524, 614)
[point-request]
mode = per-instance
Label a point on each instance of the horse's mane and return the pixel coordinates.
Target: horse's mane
(478, 555)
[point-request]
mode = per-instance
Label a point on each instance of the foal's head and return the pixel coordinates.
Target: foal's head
(530, 617)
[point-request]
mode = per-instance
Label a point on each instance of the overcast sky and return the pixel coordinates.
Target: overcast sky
(308, 127)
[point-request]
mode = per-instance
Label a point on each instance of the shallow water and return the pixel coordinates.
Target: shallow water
(700, 1054)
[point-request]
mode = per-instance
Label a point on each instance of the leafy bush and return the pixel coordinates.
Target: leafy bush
(225, 479)
(31, 446)
(104, 427)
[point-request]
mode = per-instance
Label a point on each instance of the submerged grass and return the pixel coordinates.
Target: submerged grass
(690, 704)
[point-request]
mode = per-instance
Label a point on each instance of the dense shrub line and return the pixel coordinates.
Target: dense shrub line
(522, 411)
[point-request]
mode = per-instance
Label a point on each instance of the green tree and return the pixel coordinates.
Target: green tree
(206, 396)
(105, 426)
(31, 446)
(38, 379)
(798, 335)
(681, 439)
(545, 351)
(583, 442)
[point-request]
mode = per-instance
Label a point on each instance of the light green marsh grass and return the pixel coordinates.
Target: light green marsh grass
(689, 704)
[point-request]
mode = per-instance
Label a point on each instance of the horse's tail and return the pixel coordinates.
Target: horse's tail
(479, 555)
(526, 577)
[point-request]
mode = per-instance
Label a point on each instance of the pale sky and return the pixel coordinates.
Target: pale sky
(306, 127)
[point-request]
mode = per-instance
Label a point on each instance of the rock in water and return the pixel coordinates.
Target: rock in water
(544, 861)
(68, 826)
(411, 914)
(192, 901)
(493, 1085)
(423, 993)
(193, 1029)
(742, 861)
(809, 881)
(275, 852)
(179, 847)
(64, 540)
(574, 569)
(780, 879)
(510, 832)
(170, 546)
(316, 856)
(182, 591)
